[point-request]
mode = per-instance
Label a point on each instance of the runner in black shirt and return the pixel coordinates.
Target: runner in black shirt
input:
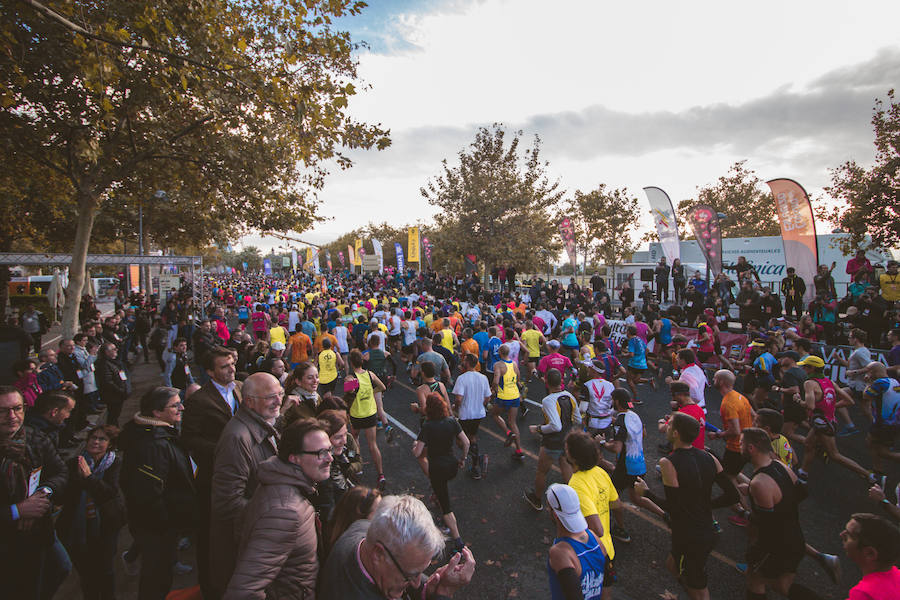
(776, 540)
(688, 475)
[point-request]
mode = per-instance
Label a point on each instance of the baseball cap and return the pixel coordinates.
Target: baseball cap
(794, 356)
(563, 500)
(277, 345)
(553, 344)
(812, 361)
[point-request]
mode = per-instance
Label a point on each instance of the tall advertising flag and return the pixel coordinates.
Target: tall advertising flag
(309, 257)
(398, 248)
(267, 266)
(412, 246)
(471, 263)
(351, 255)
(428, 248)
(328, 259)
(705, 222)
(666, 226)
(293, 260)
(798, 229)
(568, 235)
(358, 253)
(315, 259)
(379, 252)
(341, 257)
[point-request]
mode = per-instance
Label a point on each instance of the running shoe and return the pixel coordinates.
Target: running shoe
(533, 501)
(738, 520)
(832, 565)
(475, 473)
(483, 463)
(741, 568)
(637, 402)
(510, 438)
(389, 433)
(131, 566)
(382, 483)
(518, 455)
(847, 430)
(619, 533)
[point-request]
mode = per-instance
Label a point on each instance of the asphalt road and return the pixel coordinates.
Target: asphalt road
(510, 540)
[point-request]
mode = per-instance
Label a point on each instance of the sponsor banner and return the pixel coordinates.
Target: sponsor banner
(328, 259)
(664, 218)
(568, 235)
(285, 262)
(798, 230)
(341, 257)
(293, 260)
(267, 266)
(358, 251)
(428, 248)
(705, 222)
(379, 252)
(398, 249)
(412, 245)
(351, 255)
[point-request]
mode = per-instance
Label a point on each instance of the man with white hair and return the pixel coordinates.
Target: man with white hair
(386, 557)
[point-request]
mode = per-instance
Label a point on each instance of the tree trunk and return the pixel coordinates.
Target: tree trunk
(86, 212)
(4, 290)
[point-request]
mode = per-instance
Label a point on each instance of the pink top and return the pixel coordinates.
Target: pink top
(829, 398)
(880, 585)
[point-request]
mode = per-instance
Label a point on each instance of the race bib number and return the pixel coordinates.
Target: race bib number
(33, 480)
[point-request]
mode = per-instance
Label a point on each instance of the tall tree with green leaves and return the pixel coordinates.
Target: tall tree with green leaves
(610, 218)
(740, 195)
(871, 197)
(244, 103)
(497, 203)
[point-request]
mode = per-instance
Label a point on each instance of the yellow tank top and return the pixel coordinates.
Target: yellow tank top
(327, 366)
(508, 389)
(447, 339)
(532, 339)
(364, 405)
(276, 334)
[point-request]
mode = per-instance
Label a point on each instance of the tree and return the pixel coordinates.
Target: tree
(496, 203)
(739, 194)
(243, 102)
(612, 218)
(871, 197)
(250, 255)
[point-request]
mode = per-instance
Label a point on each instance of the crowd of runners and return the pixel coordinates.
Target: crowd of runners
(270, 410)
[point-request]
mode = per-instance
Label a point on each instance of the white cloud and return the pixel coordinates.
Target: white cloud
(636, 94)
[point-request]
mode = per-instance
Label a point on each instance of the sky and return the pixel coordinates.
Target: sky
(628, 94)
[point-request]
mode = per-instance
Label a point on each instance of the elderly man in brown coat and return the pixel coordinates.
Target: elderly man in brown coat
(247, 440)
(206, 412)
(277, 553)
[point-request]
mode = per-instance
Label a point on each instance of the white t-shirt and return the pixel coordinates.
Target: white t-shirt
(474, 388)
(381, 338)
(293, 320)
(341, 333)
(393, 325)
(859, 358)
(696, 379)
(409, 333)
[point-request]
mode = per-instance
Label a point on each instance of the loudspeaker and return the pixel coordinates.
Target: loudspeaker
(646, 274)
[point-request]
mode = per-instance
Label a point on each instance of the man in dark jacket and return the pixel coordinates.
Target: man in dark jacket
(158, 482)
(112, 381)
(793, 288)
(246, 441)
(32, 561)
(206, 413)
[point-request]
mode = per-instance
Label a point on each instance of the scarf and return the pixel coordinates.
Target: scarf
(86, 522)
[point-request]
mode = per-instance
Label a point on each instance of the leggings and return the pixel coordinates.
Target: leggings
(440, 472)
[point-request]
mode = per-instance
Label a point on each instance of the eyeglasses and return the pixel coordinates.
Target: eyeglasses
(279, 396)
(178, 404)
(320, 454)
(12, 409)
(412, 579)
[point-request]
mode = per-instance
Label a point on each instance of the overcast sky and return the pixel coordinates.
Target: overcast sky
(634, 94)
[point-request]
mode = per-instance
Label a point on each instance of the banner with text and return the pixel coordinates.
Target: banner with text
(568, 235)
(412, 245)
(798, 230)
(398, 249)
(428, 248)
(357, 252)
(666, 225)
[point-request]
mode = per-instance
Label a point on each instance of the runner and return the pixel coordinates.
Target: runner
(364, 389)
(577, 562)
(534, 341)
(822, 398)
(561, 414)
(506, 389)
(636, 353)
(688, 475)
(883, 395)
(472, 393)
(329, 362)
